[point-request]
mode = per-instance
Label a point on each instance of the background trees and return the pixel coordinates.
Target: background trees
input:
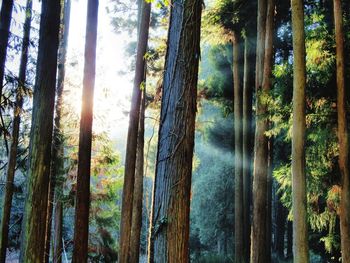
(11, 166)
(216, 203)
(132, 189)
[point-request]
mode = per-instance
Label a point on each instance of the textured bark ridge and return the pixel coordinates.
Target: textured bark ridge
(33, 242)
(81, 227)
(344, 212)
(11, 167)
(300, 229)
(171, 201)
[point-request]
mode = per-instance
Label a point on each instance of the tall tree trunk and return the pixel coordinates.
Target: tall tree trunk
(344, 212)
(247, 135)
(58, 165)
(5, 22)
(56, 181)
(258, 235)
(171, 203)
(300, 228)
(237, 79)
(11, 166)
(266, 86)
(82, 203)
(138, 189)
(33, 243)
(131, 148)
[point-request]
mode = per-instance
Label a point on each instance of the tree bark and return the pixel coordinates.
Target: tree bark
(11, 166)
(247, 135)
(300, 228)
(344, 211)
(171, 203)
(257, 251)
(268, 64)
(56, 181)
(33, 242)
(57, 166)
(260, 44)
(131, 148)
(258, 235)
(81, 232)
(138, 189)
(5, 22)
(237, 80)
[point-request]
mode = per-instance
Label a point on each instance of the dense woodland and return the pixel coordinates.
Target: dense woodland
(237, 146)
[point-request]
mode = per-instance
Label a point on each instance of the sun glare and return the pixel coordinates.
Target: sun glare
(112, 89)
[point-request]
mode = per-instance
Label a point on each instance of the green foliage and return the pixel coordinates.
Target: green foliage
(106, 186)
(216, 71)
(212, 203)
(224, 16)
(321, 141)
(218, 21)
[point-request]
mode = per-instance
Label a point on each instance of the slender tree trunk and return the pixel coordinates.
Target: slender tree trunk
(33, 243)
(257, 251)
(171, 203)
(237, 79)
(57, 147)
(258, 234)
(344, 212)
(268, 64)
(11, 166)
(5, 22)
(138, 189)
(300, 229)
(58, 165)
(247, 131)
(131, 148)
(82, 203)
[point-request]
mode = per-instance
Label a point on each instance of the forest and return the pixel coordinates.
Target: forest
(203, 131)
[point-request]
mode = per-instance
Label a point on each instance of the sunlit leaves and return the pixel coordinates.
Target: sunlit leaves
(319, 59)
